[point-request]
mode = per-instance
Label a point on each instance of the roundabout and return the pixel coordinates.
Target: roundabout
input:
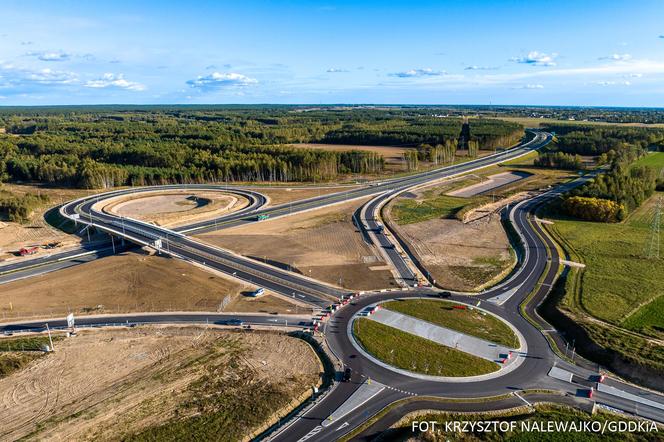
(501, 347)
(446, 354)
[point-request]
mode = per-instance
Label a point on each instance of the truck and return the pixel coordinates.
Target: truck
(262, 217)
(28, 251)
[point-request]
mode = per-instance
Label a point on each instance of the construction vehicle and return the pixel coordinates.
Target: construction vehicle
(28, 251)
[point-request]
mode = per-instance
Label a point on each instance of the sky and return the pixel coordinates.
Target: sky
(585, 53)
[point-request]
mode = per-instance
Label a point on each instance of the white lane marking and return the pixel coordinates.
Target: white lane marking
(527, 403)
(311, 434)
(344, 425)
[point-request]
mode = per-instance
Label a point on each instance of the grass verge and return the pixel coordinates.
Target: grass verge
(433, 205)
(413, 353)
(472, 322)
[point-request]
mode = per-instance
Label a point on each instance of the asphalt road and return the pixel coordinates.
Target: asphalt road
(531, 374)
(257, 201)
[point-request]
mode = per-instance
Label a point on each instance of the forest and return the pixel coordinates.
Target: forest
(612, 195)
(106, 146)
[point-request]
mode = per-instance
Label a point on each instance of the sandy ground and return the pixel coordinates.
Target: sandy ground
(176, 208)
(322, 244)
(129, 282)
(281, 195)
(106, 384)
(491, 182)
(459, 256)
(37, 231)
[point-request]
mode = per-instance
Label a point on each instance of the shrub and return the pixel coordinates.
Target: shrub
(594, 209)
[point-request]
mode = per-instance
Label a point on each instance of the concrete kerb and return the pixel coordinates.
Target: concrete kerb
(523, 350)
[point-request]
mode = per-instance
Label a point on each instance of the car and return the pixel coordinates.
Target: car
(260, 291)
(443, 294)
(347, 374)
(237, 322)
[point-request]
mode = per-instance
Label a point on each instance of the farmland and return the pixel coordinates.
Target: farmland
(618, 284)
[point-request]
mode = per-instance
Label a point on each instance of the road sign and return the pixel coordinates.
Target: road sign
(70, 320)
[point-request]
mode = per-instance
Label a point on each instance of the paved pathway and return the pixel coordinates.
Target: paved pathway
(366, 391)
(444, 336)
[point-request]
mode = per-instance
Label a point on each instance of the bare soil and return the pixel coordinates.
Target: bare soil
(322, 244)
(129, 282)
(460, 256)
(176, 208)
(281, 195)
(36, 232)
(109, 384)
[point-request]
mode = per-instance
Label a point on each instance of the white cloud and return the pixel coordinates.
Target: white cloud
(617, 57)
(336, 70)
(15, 77)
(480, 68)
(110, 80)
(613, 83)
(537, 59)
(50, 55)
(530, 86)
(426, 72)
(221, 79)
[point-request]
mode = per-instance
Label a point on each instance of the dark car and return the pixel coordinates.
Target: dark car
(443, 294)
(236, 322)
(347, 374)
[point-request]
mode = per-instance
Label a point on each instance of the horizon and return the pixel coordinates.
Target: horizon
(426, 53)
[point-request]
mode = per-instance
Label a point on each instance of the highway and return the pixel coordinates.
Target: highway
(532, 374)
(174, 242)
(257, 201)
(534, 275)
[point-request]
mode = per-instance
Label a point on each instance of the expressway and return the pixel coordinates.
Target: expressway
(175, 243)
(503, 300)
(532, 374)
(257, 203)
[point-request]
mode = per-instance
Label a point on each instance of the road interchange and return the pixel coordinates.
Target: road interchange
(536, 272)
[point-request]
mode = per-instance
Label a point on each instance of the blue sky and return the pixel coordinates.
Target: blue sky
(423, 52)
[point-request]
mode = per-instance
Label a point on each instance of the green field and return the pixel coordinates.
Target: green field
(655, 160)
(619, 284)
(433, 204)
(419, 355)
(471, 322)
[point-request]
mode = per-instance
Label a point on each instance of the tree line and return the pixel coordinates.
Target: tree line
(19, 208)
(101, 147)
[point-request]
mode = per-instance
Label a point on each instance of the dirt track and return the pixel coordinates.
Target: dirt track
(107, 384)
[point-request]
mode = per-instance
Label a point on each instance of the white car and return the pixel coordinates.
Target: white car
(258, 292)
